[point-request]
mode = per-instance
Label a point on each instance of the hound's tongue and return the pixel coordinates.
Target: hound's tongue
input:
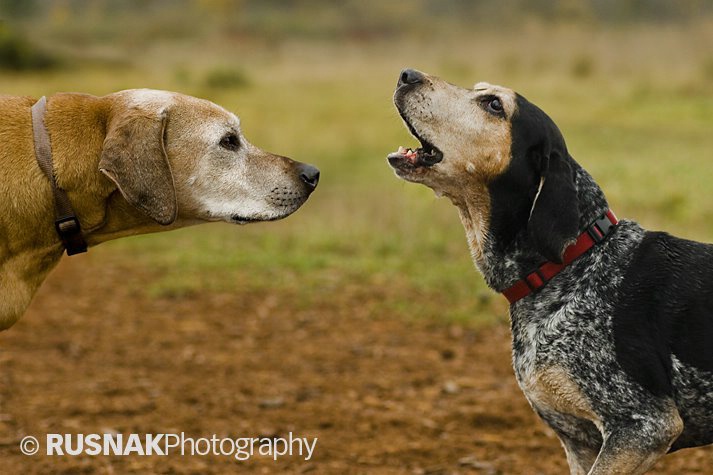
(407, 153)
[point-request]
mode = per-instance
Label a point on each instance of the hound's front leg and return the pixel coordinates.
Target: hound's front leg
(633, 448)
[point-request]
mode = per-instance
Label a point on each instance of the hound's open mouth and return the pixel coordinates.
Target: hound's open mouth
(426, 155)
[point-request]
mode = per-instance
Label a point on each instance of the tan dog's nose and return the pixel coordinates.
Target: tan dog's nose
(309, 175)
(410, 76)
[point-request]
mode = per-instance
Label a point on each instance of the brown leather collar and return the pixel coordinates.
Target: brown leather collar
(66, 222)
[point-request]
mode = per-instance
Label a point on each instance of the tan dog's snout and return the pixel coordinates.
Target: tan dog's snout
(286, 192)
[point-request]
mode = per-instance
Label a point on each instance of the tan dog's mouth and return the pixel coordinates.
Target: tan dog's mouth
(244, 220)
(241, 219)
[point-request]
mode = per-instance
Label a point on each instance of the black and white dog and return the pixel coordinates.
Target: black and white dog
(612, 325)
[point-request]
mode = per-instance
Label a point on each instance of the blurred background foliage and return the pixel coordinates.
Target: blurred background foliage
(115, 29)
(630, 82)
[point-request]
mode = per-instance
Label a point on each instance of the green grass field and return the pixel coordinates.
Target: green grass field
(635, 105)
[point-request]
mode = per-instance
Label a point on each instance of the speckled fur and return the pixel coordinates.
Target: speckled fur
(568, 325)
(564, 335)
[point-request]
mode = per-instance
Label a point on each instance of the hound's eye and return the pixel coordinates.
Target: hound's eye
(495, 105)
(230, 142)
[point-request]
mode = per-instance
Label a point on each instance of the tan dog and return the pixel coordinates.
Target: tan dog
(136, 161)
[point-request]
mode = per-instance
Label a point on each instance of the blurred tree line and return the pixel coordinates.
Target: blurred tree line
(55, 24)
(475, 11)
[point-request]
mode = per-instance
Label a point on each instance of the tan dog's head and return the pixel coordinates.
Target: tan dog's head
(177, 157)
(498, 157)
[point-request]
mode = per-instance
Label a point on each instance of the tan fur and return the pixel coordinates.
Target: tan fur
(554, 388)
(634, 461)
(629, 462)
(169, 160)
(475, 145)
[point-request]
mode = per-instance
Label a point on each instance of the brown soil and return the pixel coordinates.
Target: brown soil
(383, 395)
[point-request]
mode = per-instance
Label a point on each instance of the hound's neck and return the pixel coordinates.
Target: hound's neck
(504, 259)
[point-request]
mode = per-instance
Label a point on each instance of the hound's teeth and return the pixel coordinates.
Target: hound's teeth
(401, 149)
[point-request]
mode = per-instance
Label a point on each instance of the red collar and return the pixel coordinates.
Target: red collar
(537, 279)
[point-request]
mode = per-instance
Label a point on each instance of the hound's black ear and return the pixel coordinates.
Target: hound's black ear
(554, 219)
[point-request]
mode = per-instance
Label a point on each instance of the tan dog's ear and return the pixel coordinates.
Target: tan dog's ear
(134, 157)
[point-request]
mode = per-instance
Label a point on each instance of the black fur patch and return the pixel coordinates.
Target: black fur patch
(538, 151)
(665, 306)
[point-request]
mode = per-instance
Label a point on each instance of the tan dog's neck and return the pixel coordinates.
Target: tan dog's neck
(102, 212)
(77, 127)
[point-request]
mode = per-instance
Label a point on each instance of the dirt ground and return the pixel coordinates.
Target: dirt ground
(383, 395)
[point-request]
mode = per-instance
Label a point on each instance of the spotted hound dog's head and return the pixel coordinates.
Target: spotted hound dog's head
(500, 159)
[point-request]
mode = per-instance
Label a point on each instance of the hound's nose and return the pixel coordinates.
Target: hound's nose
(309, 175)
(410, 76)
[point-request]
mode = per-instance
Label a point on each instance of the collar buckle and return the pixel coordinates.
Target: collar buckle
(600, 228)
(70, 232)
(67, 226)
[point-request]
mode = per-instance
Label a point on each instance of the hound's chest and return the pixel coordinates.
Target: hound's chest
(544, 378)
(553, 390)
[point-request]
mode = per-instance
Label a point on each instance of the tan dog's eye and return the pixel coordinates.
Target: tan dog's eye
(230, 142)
